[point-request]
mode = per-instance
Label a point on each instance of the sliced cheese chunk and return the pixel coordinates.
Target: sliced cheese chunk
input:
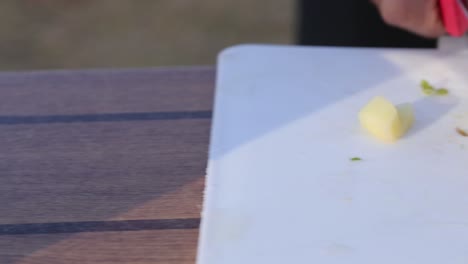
(406, 114)
(385, 121)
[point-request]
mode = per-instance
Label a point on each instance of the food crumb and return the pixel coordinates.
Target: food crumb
(442, 91)
(462, 132)
(428, 89)
(356, 159)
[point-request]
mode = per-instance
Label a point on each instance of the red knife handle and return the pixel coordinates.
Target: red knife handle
(455, 17)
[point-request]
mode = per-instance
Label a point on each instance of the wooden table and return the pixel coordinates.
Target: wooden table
(103, 166)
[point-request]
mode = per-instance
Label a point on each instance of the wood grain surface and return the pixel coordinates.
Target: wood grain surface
(145, 247)
(103, 166)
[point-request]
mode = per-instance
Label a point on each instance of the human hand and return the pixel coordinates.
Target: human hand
(418, 16)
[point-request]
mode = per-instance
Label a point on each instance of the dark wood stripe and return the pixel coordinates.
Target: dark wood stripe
(114, 117)
(98, 226)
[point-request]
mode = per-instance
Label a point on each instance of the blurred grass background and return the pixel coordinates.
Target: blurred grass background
(45, 34)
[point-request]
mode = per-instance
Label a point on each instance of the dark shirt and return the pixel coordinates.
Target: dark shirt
(354, 23)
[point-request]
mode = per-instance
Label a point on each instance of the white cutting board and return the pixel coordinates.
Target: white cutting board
(281, 187)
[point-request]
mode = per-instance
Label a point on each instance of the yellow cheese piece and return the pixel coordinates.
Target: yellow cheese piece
(406, 114)
(384, 120)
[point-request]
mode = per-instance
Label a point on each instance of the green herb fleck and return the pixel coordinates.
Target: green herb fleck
(356, 159)
(442, 91)
(426, 85)
(427, 89)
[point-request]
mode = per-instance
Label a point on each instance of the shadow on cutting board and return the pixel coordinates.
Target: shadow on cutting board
(429, 110)
(263, 88)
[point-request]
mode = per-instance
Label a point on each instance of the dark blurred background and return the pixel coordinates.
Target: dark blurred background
(47, 34)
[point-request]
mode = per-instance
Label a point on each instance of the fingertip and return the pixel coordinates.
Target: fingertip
(434, 26)
(438, 29)
(434, 33)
